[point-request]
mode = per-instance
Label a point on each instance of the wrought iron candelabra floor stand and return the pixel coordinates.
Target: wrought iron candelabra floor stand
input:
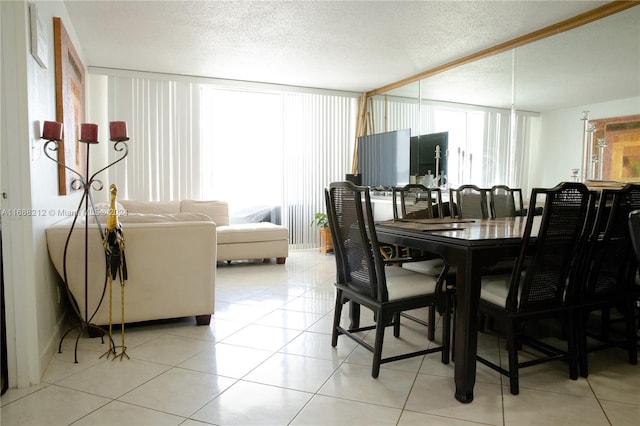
(86, 208)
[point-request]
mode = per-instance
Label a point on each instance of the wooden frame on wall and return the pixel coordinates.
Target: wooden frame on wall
(621, 159)
(70, 78)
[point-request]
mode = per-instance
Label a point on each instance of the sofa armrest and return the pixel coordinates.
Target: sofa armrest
(171, 269)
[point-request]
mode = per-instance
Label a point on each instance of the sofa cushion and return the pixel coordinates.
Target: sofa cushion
(155, 218)
(218, 211)
(251, 232)
(157, 207)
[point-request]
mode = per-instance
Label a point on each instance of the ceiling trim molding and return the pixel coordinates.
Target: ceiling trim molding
(220, 82)
(557, 28)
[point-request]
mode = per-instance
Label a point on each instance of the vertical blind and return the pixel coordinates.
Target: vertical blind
(164, 152)
(319, 134)
(268, 153)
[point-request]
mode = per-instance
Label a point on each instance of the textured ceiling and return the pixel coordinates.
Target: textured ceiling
(343, 45)
(594, 63)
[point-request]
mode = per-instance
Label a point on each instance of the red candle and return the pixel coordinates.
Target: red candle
(89, 133)
(52, 131)
(118, 131)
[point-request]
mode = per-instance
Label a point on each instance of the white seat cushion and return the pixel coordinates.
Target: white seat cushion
(431, 267)
(495, 289)
(251, 232)
(402, 283)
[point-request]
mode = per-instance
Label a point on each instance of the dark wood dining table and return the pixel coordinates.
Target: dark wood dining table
(469, 246)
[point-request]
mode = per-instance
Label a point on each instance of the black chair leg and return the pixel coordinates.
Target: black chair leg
(482, 321)
(572, 347)
(453, 300)
(354, 314)
(431, 323)
(377, 347)
(605, 322)
(396, 324)
(514, 383)
(453, 326)
(630, 320)
(446, 330)
(336, 318)
(581, 333)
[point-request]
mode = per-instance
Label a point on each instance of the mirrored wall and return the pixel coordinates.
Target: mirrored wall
(490, 106)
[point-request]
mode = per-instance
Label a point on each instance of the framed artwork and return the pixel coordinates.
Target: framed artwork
(38, 37)
(70, 78)
(620, 138)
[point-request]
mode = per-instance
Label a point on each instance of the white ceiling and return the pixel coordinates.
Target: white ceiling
(348, 45)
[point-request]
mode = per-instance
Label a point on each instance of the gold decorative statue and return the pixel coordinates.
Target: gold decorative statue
(116, 268)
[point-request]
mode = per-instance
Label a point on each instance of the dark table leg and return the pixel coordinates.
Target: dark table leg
(466, 341)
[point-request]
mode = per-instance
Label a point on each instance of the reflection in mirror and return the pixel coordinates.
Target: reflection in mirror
(572, 69)
(472, 103)
(597, 62)
(615, 149)
(581, 66)
(486, 83)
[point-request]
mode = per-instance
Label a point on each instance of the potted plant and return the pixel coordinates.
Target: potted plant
(322, 222)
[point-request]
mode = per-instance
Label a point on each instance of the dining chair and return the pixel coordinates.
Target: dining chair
(537, 291)
(364, 278)
(412, 201)
(469, 202)
(608, 276)
(505, 201)
(416, 201)
(634, 231)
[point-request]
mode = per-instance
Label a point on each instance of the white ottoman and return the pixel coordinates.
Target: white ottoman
(262, 240)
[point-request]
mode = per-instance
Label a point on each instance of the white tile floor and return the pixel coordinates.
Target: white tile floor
(266, 359)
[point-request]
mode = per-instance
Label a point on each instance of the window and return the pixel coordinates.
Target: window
(242, 152)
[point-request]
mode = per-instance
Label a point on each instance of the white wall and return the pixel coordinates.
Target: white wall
(34, 312)
(559, 148)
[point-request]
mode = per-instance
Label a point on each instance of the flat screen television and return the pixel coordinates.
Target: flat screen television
(423, 153)
(383, 159)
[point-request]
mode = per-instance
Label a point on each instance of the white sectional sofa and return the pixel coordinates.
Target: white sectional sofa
(171, 249)
(235, 241)
(170, 264)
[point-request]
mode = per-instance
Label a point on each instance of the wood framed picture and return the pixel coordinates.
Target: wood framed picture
(70, 78)
(618, 159)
